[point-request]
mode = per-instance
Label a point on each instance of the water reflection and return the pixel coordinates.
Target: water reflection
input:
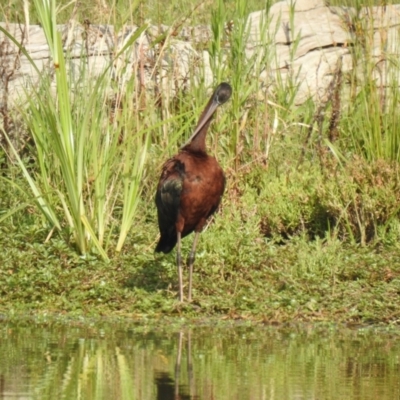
(125, 361)
(173, 389)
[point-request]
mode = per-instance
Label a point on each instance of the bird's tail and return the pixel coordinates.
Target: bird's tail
(166, 243)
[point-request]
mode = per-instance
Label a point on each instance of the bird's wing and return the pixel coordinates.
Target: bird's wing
(168, 199)
(169, 190)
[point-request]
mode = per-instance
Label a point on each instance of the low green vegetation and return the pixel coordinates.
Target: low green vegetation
(308, 229)
(239, 273)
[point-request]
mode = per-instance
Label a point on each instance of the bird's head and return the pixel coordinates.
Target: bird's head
(222, 93)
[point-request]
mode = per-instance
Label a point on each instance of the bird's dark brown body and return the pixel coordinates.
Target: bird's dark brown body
(189, 192)
(190, 188)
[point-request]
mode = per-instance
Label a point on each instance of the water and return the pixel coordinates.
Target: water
(53, 360)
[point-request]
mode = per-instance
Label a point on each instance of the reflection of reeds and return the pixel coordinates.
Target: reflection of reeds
(95, 370)
(127, 383)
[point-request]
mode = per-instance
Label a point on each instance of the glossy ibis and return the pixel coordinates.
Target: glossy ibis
(190, 189)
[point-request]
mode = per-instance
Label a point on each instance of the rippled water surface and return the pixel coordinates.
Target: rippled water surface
(51, 360)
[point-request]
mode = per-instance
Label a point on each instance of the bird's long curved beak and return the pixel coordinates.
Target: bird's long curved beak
(204, 119)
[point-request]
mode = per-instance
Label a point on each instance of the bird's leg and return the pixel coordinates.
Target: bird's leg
(179, 263)
(191, 262)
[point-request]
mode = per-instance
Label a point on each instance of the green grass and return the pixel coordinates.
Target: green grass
(239, 273)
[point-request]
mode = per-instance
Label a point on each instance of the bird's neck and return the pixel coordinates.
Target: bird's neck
(198, 143)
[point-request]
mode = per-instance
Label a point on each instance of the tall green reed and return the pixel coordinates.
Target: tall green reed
(233, 59)
(83, 161)
(370, 117)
